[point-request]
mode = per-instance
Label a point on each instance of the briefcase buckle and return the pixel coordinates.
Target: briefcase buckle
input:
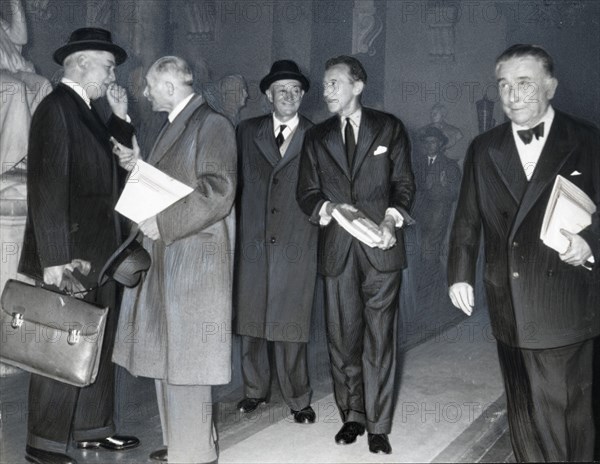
(17, 320)
(74, 336)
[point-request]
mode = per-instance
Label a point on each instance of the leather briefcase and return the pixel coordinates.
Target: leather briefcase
(51, 334)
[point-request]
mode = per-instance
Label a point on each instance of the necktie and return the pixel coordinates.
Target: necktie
(280, 138)
(350, 142)
(527, 134)
(431, 160)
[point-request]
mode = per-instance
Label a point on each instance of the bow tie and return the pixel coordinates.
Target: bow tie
(527, 134)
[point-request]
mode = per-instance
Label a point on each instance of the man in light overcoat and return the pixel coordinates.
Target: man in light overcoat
(175, 326)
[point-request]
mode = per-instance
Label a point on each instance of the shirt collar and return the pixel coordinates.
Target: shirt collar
(546, 119)
(354, 118)
(78, 89)
(179, 107)
(290, 125)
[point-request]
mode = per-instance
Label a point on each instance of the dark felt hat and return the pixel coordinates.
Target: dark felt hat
(127, 264)
(431, 131)
(90, 38)
(284, 69)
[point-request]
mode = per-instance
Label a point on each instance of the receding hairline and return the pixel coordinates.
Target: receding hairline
(173, 66)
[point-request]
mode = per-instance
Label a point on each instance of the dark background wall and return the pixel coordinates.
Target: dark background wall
(417, 54)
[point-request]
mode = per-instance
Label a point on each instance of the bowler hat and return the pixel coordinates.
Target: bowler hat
(284, 69)
(90, 38)
(431, 131)
(127, 264)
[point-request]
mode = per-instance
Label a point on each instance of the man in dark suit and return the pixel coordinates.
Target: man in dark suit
(543, 304)
(276, 248)
(358, 160)
(438, 181)
(71, 225)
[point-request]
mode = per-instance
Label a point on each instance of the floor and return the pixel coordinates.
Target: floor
(450, 408)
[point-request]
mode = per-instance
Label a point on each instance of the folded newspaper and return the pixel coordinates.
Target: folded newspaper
(568, 208)
(358, 225)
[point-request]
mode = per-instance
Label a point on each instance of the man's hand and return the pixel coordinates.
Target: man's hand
(462, 296)
(387, 229)
(578, 252)
(149, 228)
(61, 276)
(127, 156)
(54, 275)
(117, 99)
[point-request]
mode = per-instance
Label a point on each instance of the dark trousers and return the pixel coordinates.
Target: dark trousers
(361, 309)
(58, 411)
(290, 366)
(549, 399)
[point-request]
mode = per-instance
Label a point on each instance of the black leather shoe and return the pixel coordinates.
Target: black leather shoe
(379, 443)
(250, 404)
(38, 456)
(159, 455)
(305, 416)
(349, 432)
(114, 443)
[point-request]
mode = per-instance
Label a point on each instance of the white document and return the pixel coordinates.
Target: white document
(149, 191)
(568, 208)
(359, 226)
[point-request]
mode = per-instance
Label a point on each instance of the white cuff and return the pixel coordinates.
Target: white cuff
(324, 218)
(398, 218)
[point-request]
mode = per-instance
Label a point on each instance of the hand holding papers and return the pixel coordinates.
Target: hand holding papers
(358, 225)
(149, 191)
(568, 208)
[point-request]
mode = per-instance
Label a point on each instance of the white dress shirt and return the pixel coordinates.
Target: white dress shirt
(78, 89)
(530, 153)
(179, 107)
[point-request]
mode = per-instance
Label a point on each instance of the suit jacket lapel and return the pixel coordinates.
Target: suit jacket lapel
(265, 141)
(335, 144)
(366, 135)
(556, 152)
(505, 158)
(295, 145)
(96, 126)
(172, 131)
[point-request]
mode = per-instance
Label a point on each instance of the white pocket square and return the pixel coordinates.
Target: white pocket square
(380, 150)
(575, 173)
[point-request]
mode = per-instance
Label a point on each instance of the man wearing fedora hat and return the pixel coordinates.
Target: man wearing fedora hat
(276, 251)
(72, 190)
(438, 181)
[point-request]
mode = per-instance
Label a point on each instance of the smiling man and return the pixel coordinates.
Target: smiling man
(277, 248)
(543, 305)
(359, 159)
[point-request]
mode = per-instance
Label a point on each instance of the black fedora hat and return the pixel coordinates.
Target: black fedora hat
(431, 131)
(284, 69)
(127, 264)
(90, 38)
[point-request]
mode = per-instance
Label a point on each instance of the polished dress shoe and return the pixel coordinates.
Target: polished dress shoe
(379, 443)
(250, 404)
(304, 416)
(38, 456)
(114, 443)
(349, 432)
(159, 455)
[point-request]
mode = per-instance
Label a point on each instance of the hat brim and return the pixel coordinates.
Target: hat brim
(266, 82)
(64, 51)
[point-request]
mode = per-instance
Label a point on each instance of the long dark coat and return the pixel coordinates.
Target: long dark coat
(176, 325)
(536, 301)
(72, 186)
(277, 246)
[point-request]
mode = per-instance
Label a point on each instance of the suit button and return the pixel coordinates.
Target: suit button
(273, 240)
(515, 275)
(504, 214)
(515, 244)
(274, 211)
(275, 181)
(550, 273)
